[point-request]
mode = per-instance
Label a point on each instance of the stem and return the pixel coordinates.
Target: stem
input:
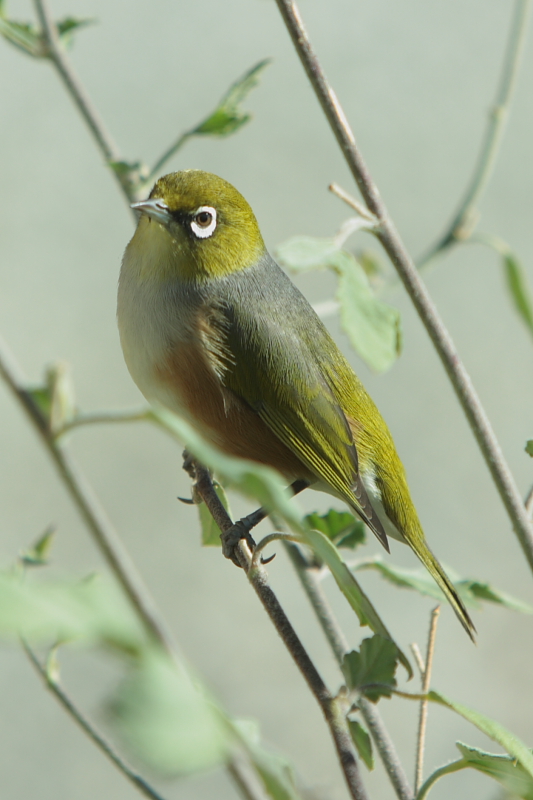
(102, 417)
(425, 307)
(94, 516)
(460, 226)
(339, 646)
(88, 728)
(426, 679)
(331, 707)
(81, 99)
(160, 163)
(455, 766)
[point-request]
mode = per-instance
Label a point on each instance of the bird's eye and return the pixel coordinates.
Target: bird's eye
(204, 222)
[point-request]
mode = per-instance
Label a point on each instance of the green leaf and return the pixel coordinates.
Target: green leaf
(350, 588)
(23, 36)
(228, 116)
(29, 39)
(502, 768)
(254, 480)
(67, 26)
(90, 611)
(274, 771)
(374, 663)
(302, 253)
(518, 288)
(339, 526)
(529, 447)
(37, 554)
(372, 326)
(471, 591)
(166, 720)
(210, 530)
(510, 743)
(362, 742)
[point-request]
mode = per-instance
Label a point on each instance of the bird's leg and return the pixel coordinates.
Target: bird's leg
(241, 529)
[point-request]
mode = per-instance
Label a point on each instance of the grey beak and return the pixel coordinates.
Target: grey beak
(156, 209)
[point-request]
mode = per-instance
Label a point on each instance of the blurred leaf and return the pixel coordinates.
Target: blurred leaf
(37, 554)
(91, 612)
(302, 253)
(502, 768)
(370, 262)
(362, 742)
(29, 39)
(339, 526)
(67, 26)
(374, 663)
(166, 719)
(61, 393)
(346, 582)
(518, 287)
(254, 480)
(228, 116)
(274, 771)
(210, 530)
(471, 591)
(510, 743)
(529, 447)
(372, 326)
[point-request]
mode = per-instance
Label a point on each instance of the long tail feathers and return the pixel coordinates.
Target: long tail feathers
(436, 571)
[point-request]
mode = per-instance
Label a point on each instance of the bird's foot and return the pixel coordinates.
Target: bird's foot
(241, 530)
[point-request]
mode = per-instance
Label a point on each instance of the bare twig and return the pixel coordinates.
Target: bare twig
(77, 91)
(342, 194)
(102, 418)
(426, 680)
(465, 217)
(339, 645)
(87, 727)
(331, 708)
(425, 307)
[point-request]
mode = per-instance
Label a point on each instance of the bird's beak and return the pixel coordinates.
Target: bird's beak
(156, 209)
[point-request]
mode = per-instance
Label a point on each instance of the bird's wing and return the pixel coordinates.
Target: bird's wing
(280, 378)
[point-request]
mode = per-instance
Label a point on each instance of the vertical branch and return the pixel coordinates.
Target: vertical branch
(393, 245)
(426, 680)
(464, 217)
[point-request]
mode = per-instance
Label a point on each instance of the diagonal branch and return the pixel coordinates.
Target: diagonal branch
(416, 289)
(331, 708)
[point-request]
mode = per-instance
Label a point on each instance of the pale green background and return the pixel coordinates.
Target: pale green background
(416, 80)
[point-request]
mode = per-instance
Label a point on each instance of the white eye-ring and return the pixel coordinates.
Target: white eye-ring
(204, 222)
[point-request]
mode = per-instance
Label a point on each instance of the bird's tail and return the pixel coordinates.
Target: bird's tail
(436, 571)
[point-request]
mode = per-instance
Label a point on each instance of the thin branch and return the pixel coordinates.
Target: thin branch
(102, 418)
(94, 516)
(87, 727)
(529, 503)
(172, 150)
(339, 645)
(343, 195)
(425, 307)
(466, 215)
(426, 680)
(447, 769)
(333, 712)
(77, 91)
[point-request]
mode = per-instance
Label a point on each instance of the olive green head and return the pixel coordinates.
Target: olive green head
(200, 226)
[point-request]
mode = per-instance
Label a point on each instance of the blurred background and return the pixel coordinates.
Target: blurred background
(416, 80)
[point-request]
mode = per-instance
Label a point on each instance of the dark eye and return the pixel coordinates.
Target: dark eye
(203, 219)
(204, 222)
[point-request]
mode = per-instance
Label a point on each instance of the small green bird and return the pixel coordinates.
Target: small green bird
(212, 328)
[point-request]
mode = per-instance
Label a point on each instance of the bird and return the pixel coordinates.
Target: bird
(213, 329)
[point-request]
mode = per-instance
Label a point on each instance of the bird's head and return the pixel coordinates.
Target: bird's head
(196, 226)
